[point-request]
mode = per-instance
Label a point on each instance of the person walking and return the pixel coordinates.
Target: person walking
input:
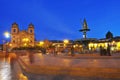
(101, 50)
(108, 50)
(72, 51)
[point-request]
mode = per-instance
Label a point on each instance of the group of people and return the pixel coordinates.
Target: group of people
(105, 52)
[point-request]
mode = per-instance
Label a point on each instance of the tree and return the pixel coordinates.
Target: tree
(109, 35)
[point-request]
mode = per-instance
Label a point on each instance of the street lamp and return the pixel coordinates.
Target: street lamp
(66, 41)
(41, 43)
(65, 45)
(7, 35)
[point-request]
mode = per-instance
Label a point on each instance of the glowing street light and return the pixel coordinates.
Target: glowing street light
(41, 43)
(65, 45)
(7, 34)
(66, 41)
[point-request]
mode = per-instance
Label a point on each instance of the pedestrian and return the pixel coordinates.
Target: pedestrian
(104, 52)
(108, 50)
(55, 51)
(101, 50)
(72, 51)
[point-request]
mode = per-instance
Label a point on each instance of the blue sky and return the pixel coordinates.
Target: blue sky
(61, 19)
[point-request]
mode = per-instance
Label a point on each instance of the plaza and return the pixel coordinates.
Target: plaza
(83, 59)
(62, 67)
(88, 67)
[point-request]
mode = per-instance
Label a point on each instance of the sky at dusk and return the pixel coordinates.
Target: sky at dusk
(61, 19)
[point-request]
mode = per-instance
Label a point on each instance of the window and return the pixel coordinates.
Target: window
(13, 41)
(14, 30)
(31, 31)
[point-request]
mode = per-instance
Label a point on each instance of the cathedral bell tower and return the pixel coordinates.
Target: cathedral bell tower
(14, 33)
(31, 33)
(14, 29)
(31, 28)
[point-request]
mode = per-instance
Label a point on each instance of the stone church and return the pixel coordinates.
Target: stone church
(22, 38)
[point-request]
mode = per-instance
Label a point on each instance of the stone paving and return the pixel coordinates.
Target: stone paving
(64, 77)
(96, 67)
(81, 61)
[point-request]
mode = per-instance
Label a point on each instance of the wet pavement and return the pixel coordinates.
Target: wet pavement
(83, 62)
(12, 71)
(63, 77)
(100, 62)
(6, 71)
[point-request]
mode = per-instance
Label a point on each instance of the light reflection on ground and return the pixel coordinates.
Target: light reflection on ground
(10, 72)
(5, 71)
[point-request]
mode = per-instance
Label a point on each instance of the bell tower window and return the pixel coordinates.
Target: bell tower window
(31, 31)
(14, 30)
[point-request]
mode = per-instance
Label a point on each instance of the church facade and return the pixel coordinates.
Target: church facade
(22, 38)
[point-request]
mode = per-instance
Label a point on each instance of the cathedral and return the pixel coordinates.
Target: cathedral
(22, 38)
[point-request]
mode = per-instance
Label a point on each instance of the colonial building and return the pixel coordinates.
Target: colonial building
(22, 38)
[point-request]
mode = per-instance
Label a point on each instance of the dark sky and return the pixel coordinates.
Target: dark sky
(61, 19)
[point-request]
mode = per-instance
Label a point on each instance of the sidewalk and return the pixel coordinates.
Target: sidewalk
(103, 66)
